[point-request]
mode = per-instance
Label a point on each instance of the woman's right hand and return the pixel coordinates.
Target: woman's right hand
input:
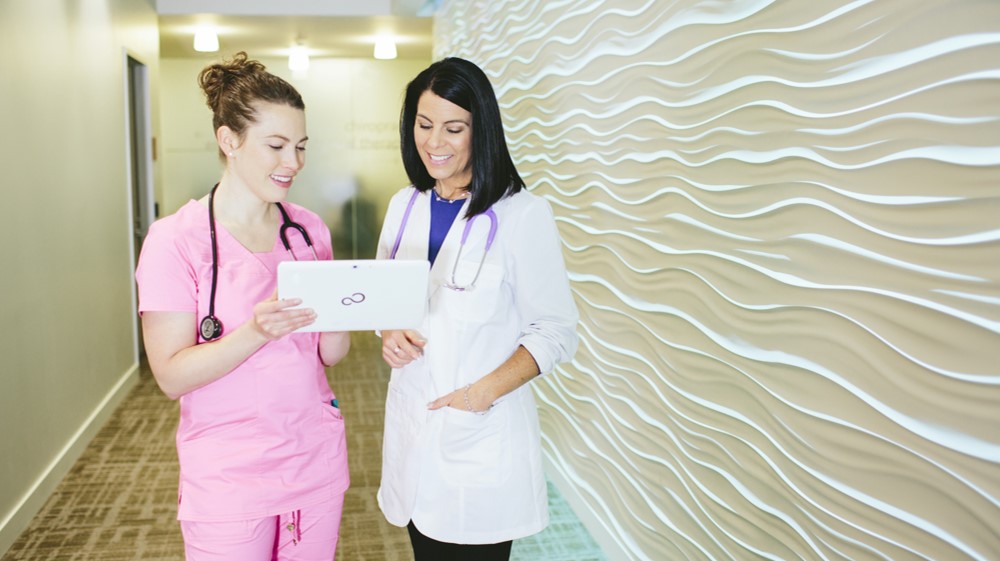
(273, 319)
(181, 365)
(401, 347)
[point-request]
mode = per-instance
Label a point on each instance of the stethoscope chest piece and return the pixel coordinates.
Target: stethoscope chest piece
(211, 328)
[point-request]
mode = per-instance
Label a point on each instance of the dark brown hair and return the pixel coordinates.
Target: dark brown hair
(232, 88)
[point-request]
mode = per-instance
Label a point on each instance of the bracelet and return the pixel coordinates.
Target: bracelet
(465, 396)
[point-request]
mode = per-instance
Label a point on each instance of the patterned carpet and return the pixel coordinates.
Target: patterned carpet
(118, 502)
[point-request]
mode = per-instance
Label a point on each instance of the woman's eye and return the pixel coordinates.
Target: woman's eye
(300, 148)
(273, 147)
(454, 131)
(424, 127)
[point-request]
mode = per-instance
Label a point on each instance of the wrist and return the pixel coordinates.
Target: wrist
(471, 400)
(256, 336)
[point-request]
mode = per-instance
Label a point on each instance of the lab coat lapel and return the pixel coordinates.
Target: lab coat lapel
(416, 233)
(441, 269)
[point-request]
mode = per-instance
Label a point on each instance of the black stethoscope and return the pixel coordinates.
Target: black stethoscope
(210, 326)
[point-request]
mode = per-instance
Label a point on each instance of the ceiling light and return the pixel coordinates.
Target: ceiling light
(206, 40)
(385, 48)
(298, 59)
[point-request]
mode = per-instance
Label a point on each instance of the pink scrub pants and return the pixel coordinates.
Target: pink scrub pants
(309, 534)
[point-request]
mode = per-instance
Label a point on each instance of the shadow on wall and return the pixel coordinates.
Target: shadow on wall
(357, 233)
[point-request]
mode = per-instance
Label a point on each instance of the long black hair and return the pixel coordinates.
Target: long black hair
(466, 85)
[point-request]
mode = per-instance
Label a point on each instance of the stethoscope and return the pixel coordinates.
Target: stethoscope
(211, 327)
(465, 236)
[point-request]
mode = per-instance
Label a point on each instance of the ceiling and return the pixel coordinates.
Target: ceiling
(326, 28)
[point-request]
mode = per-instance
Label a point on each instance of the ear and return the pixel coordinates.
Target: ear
(227, 140)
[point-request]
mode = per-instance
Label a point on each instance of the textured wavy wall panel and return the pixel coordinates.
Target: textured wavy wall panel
(782, 224)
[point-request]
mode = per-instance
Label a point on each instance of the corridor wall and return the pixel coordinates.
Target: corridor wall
(781, 224)
(68, 345)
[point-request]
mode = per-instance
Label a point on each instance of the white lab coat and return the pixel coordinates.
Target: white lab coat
(462, 477)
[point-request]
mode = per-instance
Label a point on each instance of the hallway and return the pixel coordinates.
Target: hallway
(117, 503)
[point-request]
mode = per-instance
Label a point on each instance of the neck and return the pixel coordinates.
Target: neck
(450, 193)
(238, 206)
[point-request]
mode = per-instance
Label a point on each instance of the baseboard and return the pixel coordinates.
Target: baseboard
(597, 528)
(21, 515)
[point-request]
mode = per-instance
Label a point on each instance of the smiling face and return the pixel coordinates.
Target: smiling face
(271, 152)
(442, 133)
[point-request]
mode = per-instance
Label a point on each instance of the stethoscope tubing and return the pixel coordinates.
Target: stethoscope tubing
(286, 223)
(465, 236)
(210, 326)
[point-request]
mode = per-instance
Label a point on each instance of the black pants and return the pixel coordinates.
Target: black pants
(429, 549)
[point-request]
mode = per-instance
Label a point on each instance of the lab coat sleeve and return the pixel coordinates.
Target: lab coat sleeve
(541, 288)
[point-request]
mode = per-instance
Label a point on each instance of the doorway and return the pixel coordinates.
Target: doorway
(143, 209)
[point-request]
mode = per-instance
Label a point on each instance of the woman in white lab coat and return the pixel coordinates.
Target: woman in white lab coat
(461, 464)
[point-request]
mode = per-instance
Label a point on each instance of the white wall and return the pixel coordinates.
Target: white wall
(67, 345)
(781, 224)
(352, 160)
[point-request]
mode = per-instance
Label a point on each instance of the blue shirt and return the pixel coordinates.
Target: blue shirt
(443, 214)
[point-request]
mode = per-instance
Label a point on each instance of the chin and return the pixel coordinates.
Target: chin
(275, 195)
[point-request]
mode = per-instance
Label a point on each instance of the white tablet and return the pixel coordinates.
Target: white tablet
(359, 294)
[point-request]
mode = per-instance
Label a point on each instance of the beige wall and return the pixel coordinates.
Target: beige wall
(781, 224)
(67, 342)
(352, 161)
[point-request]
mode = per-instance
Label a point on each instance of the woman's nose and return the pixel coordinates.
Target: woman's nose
(434, 138)
(295, 160)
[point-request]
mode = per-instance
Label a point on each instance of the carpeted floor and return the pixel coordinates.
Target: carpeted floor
(118, 502)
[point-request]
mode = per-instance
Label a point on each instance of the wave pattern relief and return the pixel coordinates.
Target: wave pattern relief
(782, 225)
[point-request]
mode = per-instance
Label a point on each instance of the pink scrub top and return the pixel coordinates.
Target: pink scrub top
(264, 439)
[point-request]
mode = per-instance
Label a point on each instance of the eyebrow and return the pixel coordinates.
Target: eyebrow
(462, 121)
(286, 139)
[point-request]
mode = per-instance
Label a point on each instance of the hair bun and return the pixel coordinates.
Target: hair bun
(217, 79)
(233, 89)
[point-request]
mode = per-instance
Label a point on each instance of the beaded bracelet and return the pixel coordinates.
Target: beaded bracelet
(465, 395)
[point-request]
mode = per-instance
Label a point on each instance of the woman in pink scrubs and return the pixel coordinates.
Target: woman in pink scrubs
(263, 459)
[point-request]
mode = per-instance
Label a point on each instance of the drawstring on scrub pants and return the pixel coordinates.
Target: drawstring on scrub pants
(295, 527)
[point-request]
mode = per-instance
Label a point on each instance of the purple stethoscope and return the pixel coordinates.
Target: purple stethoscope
(465, 236)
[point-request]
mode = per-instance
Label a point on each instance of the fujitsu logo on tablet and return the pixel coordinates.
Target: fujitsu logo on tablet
(356, 298)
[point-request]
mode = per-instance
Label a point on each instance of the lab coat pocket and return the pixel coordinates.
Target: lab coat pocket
(474, 448)
(468, 302)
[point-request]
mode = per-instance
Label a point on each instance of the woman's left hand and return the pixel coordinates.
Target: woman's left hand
(477, 401)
